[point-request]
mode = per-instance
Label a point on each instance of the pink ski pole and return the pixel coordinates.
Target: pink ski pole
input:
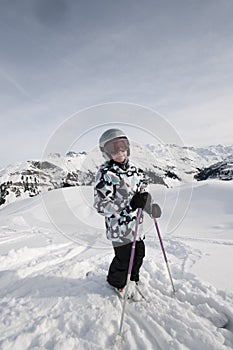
(139, 212)
(164, 253)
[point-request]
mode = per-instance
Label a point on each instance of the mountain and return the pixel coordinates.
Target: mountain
(221, 170)
(168, 165)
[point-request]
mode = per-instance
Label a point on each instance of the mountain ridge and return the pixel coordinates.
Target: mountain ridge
(169, 165)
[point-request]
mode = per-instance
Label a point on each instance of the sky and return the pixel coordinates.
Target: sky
(59, 57)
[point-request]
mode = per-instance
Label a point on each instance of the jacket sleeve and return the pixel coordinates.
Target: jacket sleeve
(143, 181)
(104, 196)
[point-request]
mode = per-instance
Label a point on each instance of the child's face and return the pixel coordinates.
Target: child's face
(120, 156)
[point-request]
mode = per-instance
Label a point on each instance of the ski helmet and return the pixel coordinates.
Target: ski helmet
(112, 135)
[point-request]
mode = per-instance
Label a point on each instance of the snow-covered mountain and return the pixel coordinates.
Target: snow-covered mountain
(168, 165)
(30, 178)
(222, 170)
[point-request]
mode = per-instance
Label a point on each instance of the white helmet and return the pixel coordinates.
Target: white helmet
(112, 135)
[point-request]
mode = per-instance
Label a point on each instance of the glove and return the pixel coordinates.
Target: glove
(155, 211)
(141, 200)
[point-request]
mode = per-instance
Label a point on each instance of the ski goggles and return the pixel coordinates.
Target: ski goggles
(115, 146)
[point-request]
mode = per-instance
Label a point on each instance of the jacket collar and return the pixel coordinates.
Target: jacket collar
(124, 165)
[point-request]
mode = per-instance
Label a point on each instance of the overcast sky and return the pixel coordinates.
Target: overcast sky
(61, 56)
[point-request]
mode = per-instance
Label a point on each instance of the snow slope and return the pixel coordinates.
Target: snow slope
(54, 259)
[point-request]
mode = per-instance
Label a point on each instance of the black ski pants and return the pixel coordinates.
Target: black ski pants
(118, 270)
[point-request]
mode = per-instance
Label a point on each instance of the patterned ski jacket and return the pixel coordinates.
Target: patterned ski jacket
(115, 186)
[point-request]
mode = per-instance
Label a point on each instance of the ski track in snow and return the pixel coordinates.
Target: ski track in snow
(48, 302)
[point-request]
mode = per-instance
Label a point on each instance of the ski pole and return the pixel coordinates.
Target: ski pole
(139, 212)
(164, 253)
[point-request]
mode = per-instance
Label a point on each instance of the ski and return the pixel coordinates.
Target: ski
(145, 298)
(134, 298)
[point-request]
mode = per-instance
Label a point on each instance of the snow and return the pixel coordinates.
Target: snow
(49, 243)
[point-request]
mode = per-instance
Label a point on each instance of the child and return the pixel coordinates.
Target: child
(119, 192)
